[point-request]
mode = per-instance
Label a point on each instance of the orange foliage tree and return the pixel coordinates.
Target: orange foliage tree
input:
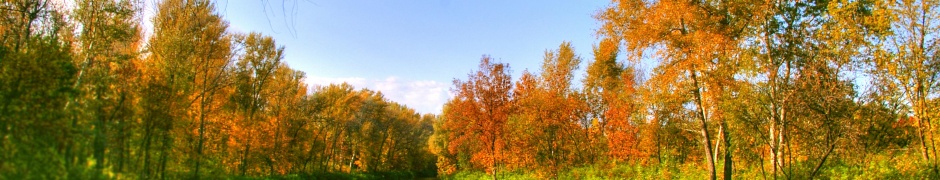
(478, 114)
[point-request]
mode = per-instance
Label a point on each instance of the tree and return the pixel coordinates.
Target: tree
(695, 43)
(36, 84)
(109, 46)
(623, 129)
(603, 78)
(611, 90)
(191, 53)
(437, 145)
(909, 64)
(480, 110)
(554, 109)
(285, 107)
(798, 52)
(525, 125)
(340, 106)
(80, 99)
(253, 75)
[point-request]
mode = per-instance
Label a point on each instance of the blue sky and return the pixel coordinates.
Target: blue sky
(412, 50)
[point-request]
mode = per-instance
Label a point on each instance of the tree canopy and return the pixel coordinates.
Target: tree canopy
(707, 89)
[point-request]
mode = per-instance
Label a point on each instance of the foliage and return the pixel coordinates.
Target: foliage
(83, 97)
(737, 89)
(749, 89)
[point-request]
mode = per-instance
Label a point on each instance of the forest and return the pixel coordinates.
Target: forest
(744, 89)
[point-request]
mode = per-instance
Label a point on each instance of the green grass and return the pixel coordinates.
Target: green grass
(594, 172)
(873, 167)
(338, 176)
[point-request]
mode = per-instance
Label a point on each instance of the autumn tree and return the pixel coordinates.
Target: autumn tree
(800, 51)
(611, 90)
(601, 85)
(83, 97)
(439, 145)
(254, 72)
(527, 114)
(695, 44)
(550, 113)
(625, 125)
(479, 113)
(908, 64)
(369, 131)
(286, 111)
(190, 57)
(340, 108)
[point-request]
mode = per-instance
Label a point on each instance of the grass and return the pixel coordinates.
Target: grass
(338, 176)
(872, 167)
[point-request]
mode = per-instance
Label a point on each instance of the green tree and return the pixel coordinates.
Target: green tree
(37, 129)
(109, 43)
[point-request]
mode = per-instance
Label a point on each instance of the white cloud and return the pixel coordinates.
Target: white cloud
(389, 85)
(425, 96)
(323, 81)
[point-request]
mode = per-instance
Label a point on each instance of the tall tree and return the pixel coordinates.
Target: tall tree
(695, 42)
(910, 65)
(191, 53)
(797, 44)
(602, 78)
(557, 110)
(439, 145)
(480, 110)
(253, 75)
(285, 108)
(109, 43)
(545, 126)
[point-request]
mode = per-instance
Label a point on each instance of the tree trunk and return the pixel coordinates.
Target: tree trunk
(493, 155)
(773, 149)
(202, 132)
(728, 160)
(244, 165)
(702, 118)
(821, 162)
(351, 160)
(145, 147)
(100, 142)
(164, 153)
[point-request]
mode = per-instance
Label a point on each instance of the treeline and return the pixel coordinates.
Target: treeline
(83, 95)
(737, 89)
